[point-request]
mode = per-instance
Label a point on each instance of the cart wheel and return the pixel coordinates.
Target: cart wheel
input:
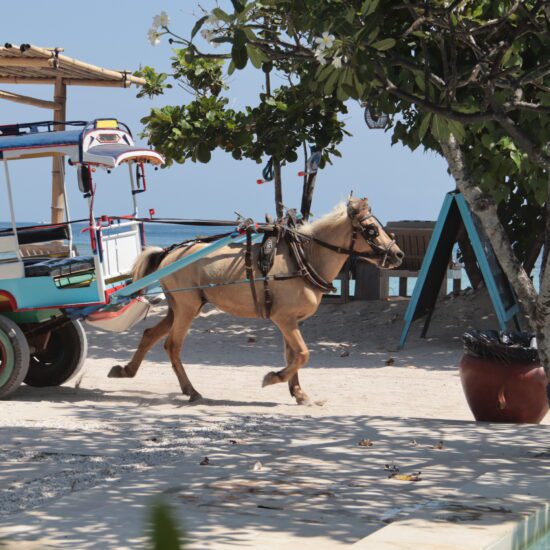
(63, 357)
(14, 356)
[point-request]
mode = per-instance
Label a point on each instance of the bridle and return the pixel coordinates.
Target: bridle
(369, 232)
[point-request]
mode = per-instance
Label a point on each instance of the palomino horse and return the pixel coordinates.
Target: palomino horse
(348, 227)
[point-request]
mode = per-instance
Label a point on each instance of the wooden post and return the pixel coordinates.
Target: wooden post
(403, 286)
(59, 114)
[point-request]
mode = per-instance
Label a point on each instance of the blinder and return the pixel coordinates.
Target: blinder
(369, 232)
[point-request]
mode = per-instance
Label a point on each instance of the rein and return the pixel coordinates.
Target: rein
(287, 229)
(369, 233)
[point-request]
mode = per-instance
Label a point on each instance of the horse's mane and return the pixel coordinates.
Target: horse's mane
(329, 220)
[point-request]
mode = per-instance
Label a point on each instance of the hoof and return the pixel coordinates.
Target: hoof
(117, 372)
(195, 397)
(270, 378)
(303, 399)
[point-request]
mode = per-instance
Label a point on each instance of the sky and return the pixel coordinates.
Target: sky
(400, 184)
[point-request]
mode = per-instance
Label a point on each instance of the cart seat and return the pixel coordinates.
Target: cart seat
(59, 267)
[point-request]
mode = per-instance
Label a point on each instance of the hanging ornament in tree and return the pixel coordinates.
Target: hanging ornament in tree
(374, 120)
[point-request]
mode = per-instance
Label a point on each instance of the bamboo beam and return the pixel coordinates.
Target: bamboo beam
(33, 62)
(26, 100)
(104, 83)
(76, 81)
(58, 162)
(25, 80)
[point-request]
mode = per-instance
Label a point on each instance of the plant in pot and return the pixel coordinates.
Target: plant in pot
(502, 377)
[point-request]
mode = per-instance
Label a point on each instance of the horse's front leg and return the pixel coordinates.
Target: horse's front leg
(150, 337)
(297, 356)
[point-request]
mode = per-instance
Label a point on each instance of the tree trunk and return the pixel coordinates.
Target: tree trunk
(543, 302)
(536, 308)
(485, 208)
(278, 181)
(307, 195)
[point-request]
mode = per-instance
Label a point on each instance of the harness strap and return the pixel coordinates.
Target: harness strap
(250, 271)
(307, 271)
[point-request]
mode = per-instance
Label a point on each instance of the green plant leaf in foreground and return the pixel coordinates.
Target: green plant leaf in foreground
(164, 531)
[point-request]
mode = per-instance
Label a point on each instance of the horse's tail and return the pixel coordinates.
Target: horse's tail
(147, 262)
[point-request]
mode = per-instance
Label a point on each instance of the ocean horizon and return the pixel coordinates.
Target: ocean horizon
(164, 235)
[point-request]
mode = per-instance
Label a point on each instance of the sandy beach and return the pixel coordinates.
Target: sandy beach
(82, 464)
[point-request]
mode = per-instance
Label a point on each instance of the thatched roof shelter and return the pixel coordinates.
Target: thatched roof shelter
(27, 64)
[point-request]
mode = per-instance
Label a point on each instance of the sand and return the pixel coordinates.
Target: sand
(81, 465)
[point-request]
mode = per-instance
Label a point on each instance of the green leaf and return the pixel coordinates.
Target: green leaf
(369, 6)
(165, 534)
(220, 14)
(439, 128)
(341, 93)
(516, 156)
(238, 6)
(161, 115)
(487, 141)
(203, 152)
(231, 68)
(385, 44)
(198, 26)
(239, 56)
(331, 82)
(249, 33)
(255, 55)
(325, 72)
(457, 130)
(350, 15)
(424, 125)
(420, 82)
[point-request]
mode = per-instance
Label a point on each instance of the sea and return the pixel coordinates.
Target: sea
(164, 235)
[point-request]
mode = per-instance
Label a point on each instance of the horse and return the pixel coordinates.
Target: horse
(350, 228)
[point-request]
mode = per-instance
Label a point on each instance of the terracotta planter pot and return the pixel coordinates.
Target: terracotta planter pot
(498, 392)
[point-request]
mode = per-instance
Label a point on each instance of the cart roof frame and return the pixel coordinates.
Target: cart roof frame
(102, 142)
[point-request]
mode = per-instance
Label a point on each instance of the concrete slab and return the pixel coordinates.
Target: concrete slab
(505, 509)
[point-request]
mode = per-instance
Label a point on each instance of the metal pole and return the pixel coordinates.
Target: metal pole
(133, 187)
(10, 200)
(67, 212)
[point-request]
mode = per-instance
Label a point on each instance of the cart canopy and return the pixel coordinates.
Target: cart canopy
(104, 142)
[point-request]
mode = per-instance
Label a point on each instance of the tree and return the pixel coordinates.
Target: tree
(284, 122)
(462, 70)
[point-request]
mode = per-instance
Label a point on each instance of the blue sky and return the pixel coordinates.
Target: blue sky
(400, 184)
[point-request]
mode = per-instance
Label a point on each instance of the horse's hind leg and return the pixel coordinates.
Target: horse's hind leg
(297, 355)
(183, 318)
(150, 337)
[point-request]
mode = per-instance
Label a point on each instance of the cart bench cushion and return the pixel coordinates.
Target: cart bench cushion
(62, 267)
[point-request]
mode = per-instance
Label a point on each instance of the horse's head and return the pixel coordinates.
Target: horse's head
(374, 245)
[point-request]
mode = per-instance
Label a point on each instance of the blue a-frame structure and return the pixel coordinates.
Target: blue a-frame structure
(433, 272)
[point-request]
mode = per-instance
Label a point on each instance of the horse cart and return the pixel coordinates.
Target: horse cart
(46, 286)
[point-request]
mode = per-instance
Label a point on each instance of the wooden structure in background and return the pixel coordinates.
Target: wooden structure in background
(27, 64)
(413, 238)
(454, 215)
